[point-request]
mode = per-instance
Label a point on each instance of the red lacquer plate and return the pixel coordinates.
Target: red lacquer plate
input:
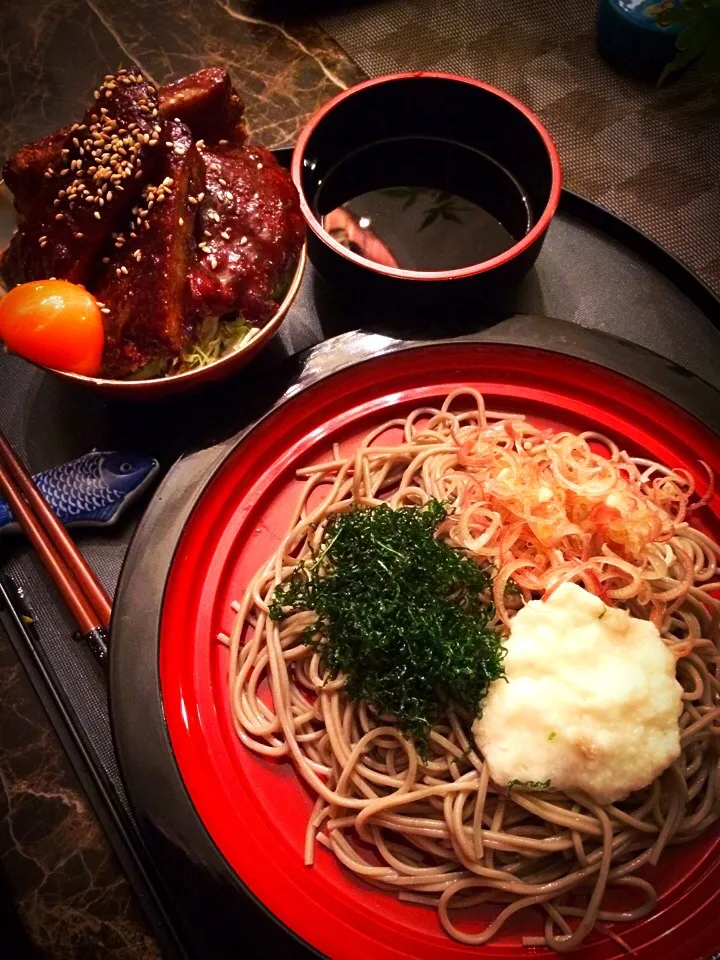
(256, 810)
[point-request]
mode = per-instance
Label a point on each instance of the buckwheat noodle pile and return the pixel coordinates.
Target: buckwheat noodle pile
(538, 509)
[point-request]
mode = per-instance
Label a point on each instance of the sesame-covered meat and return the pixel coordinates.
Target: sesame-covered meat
(103, 166)
(208, 103)
(205, 101)
(251, 233)
(143, 289)
(23, 171)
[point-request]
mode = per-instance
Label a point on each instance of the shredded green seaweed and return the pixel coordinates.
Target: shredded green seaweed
(530, 784)
(404, 616)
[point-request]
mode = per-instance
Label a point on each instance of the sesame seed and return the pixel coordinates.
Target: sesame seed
(259, 166)
(106, 259)
(228, 195)
(181, 221)
(59, 216)
(138, 255)
(43, 243)
(124, 269)
(96, 214)
(223, 183)
(222, 142)
(79, 235)
(201, 197)
(225, 235)
(104, 309)
(199, 144)
(213, 262)
(204, 247)
(243, 240)
(192, 200)
(43, 238)
(118, 272)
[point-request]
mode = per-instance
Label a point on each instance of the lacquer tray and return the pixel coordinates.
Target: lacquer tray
(594, 270)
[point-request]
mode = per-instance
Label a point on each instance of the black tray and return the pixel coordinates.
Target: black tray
(176, 838)
(594, 270)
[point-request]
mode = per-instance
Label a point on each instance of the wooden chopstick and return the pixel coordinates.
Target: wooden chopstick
(84, 595)
(59, 538)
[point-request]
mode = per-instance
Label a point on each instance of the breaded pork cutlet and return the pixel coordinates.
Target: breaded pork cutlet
(144, 287)
(23, 171)
(252, 232)
(205, 101)
(102, 170)
(208, 104)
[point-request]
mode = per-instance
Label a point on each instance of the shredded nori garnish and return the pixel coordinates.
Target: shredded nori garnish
(404, 616)
(530, 784)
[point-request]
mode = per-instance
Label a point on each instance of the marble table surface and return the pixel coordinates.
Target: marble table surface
(71, 896)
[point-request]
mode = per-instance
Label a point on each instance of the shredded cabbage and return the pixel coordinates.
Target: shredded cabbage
(216, 339)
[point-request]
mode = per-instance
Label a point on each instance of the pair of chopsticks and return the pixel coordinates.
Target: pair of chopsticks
(79, 587)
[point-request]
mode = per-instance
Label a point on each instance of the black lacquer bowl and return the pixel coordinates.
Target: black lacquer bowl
(429, 108)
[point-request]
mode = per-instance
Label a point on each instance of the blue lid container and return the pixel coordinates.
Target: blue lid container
(629, 33)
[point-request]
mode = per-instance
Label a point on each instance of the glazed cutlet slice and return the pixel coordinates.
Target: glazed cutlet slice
(105, 162)
(205, 101)
(144, 287)
(23, 172)
(208, 103)
(252, 233)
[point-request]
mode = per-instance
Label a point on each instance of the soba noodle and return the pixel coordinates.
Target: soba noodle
(434, 828)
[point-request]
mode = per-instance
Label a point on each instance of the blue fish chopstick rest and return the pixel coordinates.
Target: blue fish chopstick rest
(90, 491)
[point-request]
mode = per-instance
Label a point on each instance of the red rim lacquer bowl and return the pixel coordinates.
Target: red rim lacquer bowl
(432, 106)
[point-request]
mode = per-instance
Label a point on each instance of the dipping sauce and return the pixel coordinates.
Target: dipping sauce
(421, 203)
